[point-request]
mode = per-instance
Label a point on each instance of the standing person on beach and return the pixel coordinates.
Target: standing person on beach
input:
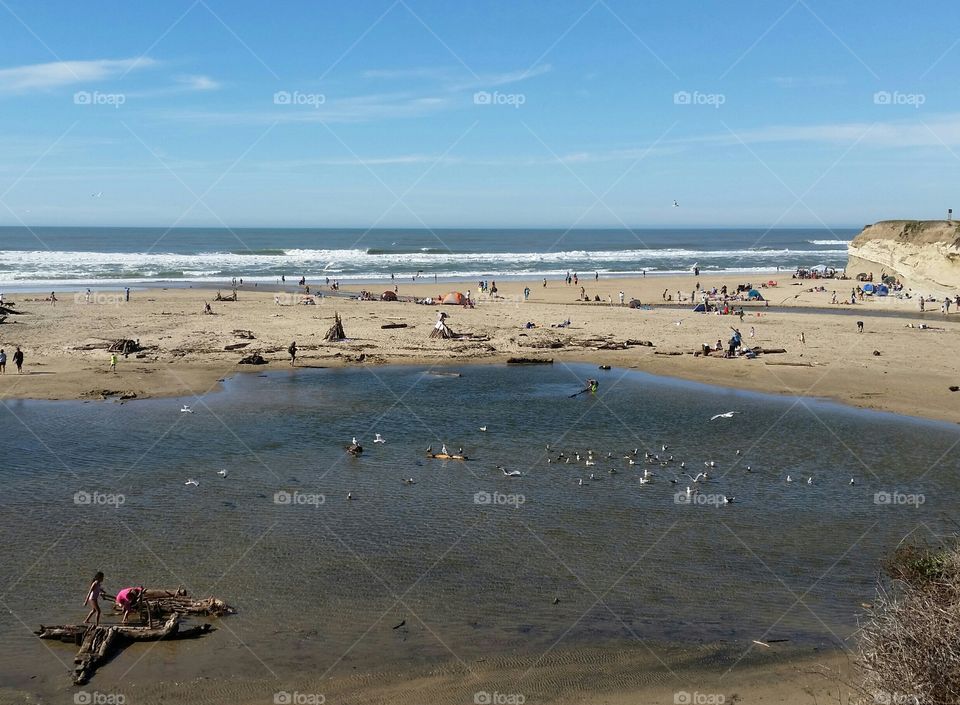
(18, 359)
(544, 282)
(620, 295)
(53, 298)
(94, 593)
(113, 363)
(3, 362)
(126, 294)
(293, 353)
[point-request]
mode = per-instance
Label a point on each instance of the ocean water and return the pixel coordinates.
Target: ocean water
(476, 564)
(109, 256)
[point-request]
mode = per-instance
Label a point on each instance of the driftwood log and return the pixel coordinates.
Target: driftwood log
(98, 643)
(530, 361)
(336, 330)
(387, 326)
(124, 346)
(252, 359)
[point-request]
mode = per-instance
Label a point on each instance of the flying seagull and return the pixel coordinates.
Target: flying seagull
(378, 439)
(222, 473)
(510, 473)
(676, 205)
(193, 482)
(186, 409)
(725, 415)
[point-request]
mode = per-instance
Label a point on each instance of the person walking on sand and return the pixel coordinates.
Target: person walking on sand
(620, 296)
(113, 363)
(803, 340)
(292, 350)
(126, 292)
(94, 594)
(18, 359)
(3, 362)
(53, 298)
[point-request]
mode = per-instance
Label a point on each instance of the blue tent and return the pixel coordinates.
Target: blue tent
(881, 290)
(754, 295)
(700, 308)
(868, 288)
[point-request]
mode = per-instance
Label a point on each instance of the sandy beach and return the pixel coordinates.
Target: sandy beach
(890, 366)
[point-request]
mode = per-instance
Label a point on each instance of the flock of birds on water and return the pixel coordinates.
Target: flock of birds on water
(588, 459)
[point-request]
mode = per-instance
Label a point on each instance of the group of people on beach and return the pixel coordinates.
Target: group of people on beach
(127, 599)
(17, 360)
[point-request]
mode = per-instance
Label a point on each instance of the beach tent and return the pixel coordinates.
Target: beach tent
(755, 295)
(868, 288)
(634, 303)
(388, 296)
(700, 308)
(881, 290)
(454, 297)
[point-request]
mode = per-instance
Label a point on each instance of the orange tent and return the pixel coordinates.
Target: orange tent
(454, 297)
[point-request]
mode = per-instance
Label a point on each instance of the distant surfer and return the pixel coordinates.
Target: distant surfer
(592, 387)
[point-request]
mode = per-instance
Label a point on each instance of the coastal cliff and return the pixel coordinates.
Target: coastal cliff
(923, 253)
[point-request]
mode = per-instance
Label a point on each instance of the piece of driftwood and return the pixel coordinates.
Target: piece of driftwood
(336, 332)
(252, 359)
(667, 352)
(7, 310)
(245, 334)
(387, 326)
(98, 642)
(236, 346)
(770, 351)
(530, 361)
(644, 343)
(229, 297)
(124, 346)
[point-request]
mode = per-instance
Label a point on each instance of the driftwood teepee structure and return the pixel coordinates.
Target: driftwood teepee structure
(336, 330)
(441, 329)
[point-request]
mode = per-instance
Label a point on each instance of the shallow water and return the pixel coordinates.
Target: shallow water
(315, 581)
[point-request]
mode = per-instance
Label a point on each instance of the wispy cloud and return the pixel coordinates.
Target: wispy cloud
(197, 83)
(56, 74)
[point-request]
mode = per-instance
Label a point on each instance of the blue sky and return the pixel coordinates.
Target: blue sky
(413, 113)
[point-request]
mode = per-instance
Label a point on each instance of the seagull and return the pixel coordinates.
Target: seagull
(222, 473)
(663, 447)
(612, 471)
(430, 448)
(645, 480)
(349, 495)
(580, 482)
(676, 205)
(738, 451)
(709, 464)
(851, 481)
(631, 461)
(443, 449)
(354, 441)
(193, 482)
(484, 429)
(408, 481)
(728, 500)
(809, 480)
(186, 409)
(724, 415)
(510, 473)
(748, 469)
(789, 479)
(378, 439)
(689, 491)
(98, 194)
(683, 464)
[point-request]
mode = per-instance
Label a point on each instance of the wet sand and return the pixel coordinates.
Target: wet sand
(65, 358)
